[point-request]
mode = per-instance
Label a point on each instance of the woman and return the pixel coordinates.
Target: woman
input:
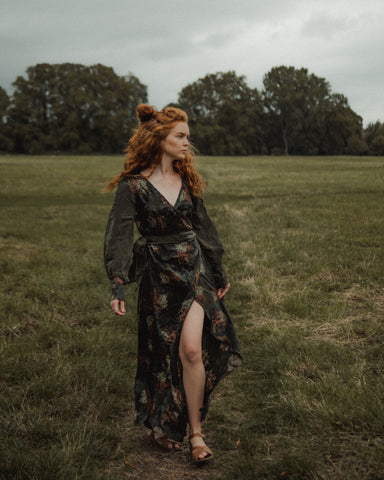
(186, 339)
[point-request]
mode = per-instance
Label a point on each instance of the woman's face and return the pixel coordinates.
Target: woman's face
(175, 145)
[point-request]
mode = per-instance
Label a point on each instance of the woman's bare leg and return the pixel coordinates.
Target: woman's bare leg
(190, 352)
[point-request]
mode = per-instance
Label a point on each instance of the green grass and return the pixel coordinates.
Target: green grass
(304, 253)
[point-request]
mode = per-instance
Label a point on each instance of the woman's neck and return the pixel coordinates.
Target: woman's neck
(165, 167)
(164, 170)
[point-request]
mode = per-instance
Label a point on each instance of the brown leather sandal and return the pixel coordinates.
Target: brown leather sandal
(163, 443)
(199, 449)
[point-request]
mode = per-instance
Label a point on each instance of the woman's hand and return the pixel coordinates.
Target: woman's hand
(118, 306)
(222, 291)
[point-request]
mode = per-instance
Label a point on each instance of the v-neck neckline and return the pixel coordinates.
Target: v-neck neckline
(165, 198)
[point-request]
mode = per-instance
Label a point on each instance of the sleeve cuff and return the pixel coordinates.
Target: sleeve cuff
(220, 278)
(117, 288)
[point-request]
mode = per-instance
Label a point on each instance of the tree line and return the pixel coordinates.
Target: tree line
(84, 109)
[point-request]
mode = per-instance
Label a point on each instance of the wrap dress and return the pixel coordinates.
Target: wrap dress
(177, 260)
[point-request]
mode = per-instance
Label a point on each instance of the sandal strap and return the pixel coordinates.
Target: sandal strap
(197, 434)
(165, 439)
(198, 450)
(163, 442)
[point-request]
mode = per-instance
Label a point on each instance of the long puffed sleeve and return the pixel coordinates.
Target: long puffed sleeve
(209, 241)
(118, 240)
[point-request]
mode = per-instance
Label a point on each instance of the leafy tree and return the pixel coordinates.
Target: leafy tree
(356, 146)
(6, 143)
(303, 116)
(374, 135)
(224, 113)
(289, 95)
(75, 108)
(378, 145)
(72, 107)
(342, 124)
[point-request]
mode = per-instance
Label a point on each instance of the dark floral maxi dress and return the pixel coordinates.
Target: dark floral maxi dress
(176, 261)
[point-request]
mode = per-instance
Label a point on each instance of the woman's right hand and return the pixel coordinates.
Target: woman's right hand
(222, 291)
(118, 306)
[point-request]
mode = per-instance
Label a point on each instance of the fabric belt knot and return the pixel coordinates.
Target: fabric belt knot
(140, 253)
(187, 236)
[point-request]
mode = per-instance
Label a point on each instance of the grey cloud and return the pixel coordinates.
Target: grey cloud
(218, 39)
(324, 26)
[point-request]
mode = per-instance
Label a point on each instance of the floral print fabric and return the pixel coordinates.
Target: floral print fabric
(179, 260)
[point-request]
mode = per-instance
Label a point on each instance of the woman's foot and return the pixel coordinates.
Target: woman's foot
(200, 451)
(161, 441)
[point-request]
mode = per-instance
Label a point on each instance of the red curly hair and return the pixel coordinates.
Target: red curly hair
(145, 149)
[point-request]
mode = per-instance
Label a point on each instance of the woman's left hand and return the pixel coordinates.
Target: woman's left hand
(222, 291)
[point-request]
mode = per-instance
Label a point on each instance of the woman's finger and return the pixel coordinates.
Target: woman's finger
(222, 291)
(118, 306)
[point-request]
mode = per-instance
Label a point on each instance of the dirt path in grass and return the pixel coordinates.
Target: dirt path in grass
(142, 460)
(152, 464)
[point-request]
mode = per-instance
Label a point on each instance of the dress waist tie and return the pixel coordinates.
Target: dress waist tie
(140, 253)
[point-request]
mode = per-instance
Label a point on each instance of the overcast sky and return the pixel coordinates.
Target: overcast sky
(168, 44)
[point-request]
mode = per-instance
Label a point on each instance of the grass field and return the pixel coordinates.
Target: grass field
(304, 253)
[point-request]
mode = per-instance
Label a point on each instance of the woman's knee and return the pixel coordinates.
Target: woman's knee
(190, 354)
